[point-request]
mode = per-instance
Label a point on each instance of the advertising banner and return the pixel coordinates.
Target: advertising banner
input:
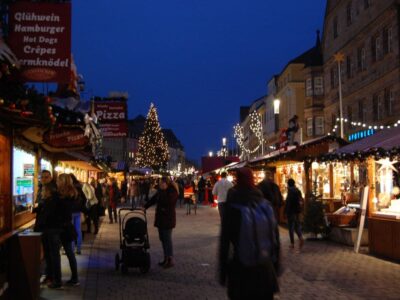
(66, 138)
(112, 118)
(40, 37)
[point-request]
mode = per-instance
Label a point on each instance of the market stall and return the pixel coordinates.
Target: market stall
(377, 158)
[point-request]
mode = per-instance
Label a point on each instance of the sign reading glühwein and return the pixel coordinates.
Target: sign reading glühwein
(112, 117)
(40, 37)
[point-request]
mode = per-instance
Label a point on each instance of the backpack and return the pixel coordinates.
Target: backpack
(257, 243)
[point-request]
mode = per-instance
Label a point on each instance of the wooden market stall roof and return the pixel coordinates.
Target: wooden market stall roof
(311, 148)
(386, 139)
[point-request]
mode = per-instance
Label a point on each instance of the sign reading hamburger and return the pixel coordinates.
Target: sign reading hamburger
(40, 37)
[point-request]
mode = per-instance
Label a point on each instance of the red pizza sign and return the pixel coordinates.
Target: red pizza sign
(112, 118)
(40, 37)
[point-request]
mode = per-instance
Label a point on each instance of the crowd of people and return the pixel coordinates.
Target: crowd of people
(62, 202)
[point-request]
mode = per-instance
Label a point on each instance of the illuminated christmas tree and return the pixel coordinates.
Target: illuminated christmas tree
(153, 148)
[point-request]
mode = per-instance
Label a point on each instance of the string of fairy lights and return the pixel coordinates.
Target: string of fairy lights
(255, 128)
(362, 125)
(153, 148)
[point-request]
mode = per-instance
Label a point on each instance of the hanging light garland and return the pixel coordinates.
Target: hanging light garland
(362, 125)
(255, 127)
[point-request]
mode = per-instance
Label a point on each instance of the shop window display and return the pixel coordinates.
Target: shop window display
(294, 171)
(23, 183)
(387, 197)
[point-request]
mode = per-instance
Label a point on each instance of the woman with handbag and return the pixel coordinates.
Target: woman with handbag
(69, 199)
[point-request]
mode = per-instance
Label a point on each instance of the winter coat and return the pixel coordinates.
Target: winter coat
(165, 212)
(256, 282)
(90, 194)
(293, 201)
(54, 214)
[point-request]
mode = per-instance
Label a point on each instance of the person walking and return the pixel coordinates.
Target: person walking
(70, 200)
(76, 214)
(272, 193)
(91, 206)
(258, 281)
(293, 210)
(113, 200)
(51, 225)
(220, 190)
(165, 218)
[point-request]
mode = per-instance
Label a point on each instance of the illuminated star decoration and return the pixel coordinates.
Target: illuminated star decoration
(338, 57)
(387, 164)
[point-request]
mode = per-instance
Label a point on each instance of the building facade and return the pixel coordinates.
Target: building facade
(366, 34)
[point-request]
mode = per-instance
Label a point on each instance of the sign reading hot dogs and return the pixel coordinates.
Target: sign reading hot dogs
(40, 37)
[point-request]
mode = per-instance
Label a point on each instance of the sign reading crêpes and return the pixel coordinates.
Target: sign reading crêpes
(40, 37)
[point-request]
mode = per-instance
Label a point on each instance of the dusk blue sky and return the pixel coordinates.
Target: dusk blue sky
(197, 60)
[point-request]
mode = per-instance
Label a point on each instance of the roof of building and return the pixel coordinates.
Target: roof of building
(310, 58)
(136, 125)
(172, 140)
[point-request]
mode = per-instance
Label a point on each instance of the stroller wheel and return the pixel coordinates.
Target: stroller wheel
(117, 260)
(124, 269)
(144, 269)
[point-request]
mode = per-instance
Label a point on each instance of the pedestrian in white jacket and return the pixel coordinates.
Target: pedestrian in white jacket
(221, 191)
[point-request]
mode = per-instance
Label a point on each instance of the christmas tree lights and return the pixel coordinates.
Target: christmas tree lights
(153, 147)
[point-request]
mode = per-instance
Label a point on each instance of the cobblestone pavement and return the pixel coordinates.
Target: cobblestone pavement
(322, 270)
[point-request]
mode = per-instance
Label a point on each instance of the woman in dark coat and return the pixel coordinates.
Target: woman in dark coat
(255, 282)
(165, 219)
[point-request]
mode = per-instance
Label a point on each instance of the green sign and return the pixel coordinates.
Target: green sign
(24, 182)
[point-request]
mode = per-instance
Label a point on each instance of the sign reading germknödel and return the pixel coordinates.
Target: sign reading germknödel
(40, 37)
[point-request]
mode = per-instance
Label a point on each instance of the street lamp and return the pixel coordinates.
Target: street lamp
(224, 141)
(224, 150)
(339, 58)
(277, 104)
(210, 154)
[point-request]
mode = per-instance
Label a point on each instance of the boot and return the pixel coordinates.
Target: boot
(163, 262)
(169, 263)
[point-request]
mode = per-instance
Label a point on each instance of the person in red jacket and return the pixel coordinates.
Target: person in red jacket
(165, 219)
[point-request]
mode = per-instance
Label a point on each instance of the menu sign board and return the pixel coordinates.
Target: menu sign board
(40, 37)
(112, 118)
(29, 170)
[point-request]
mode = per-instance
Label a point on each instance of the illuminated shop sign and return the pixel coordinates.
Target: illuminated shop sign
(361, 134)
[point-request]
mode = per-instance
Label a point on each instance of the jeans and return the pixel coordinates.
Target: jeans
(51, 247)
(76, 220)
(221, 209)
(93, 216)
(69, 251)
(110, 213)
(165, 236)
(294, 226)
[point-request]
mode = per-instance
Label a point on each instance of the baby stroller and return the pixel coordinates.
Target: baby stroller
(134, 241)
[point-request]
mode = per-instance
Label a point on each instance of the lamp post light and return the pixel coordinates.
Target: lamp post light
(224, 150)
(339, 58)
(210, 154)
(277, 103)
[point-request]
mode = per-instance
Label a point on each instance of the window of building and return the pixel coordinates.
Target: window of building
(309, 88)
(378, 42)
(363, 59)
(23, 180)
(332, 78)
(377, 107)
(349, 14)
(349, 114)
(333, 120)
(373, 49)
(319, 126)
(310, 126)
(348, 67)
(385, 36)
(366, 4)
(335, 27)
(361, 113)
(389, 101)
(389, 42)
(318, 86)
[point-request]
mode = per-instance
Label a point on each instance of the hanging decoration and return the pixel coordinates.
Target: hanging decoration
(362, 125)
(255, 128)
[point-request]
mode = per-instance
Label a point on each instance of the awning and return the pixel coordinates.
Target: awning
(386, 139)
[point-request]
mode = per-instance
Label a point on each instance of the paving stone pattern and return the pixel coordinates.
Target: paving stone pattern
(321, 270)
